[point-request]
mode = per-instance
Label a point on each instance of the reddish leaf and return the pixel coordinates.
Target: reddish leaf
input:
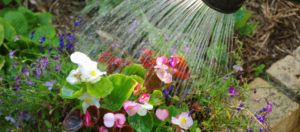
(73, 121)
(152, 82)
(91, 116)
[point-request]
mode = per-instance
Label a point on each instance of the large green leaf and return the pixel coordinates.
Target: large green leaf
(164, 129)
(157, 98)
(44, 18)
(100, 89)
(141, 123)
(47, 31)
(72, 91)
(135, 69)
(30, 17)
(9, 30)
(1, 34)
(123, 88)
(241, 17)
(2, 61)
(18, 21)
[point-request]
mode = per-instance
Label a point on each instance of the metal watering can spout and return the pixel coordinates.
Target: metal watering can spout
(224, 6)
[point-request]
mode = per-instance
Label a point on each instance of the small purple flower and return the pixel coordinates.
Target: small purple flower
(32, 35)
(269, 107)
(12, 53)
(249, 130)
(10, 119)
(17, 84)
(23, 115)
(260, 118)
(241, 105)
(25, 71)
(38, 72)
(42, 40)
(78, 21)
(61, 41)
(232, 91)
(167, 92)
(50, 84)
(71, 38)
(57, 67)
(44, 62)
(29, 83)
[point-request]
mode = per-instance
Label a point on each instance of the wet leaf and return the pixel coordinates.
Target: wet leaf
(141, 123)
(100, 89)
(157, 98)
(134, 69)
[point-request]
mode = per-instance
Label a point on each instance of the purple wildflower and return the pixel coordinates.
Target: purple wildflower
(44, 62)
(57, 67)
(42, 40)
(23, 115)
(241, 105)
(172, 61)
(260, 118)
(17, 84)
(49, 84)
(25, 71)
(232, 91)
(29, 83)
(61, 42)
(38, 72)
(12, 53)
(167, 92)
(10, 119)
(78, 21)
(32, 35)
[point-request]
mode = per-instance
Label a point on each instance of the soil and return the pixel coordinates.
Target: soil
(277, 33)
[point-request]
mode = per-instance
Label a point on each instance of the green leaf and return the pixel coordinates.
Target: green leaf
(2, 61)
(123, 88)
(30, 17)
(241, 17)
(100, 89)
(1, 34)
(135, 69)
(47, 31)
(164, 129)
(6, 2)
(70, 92)
(44, 18)
(157, 98)
(141, 123)
(9, 30)
(18, 21)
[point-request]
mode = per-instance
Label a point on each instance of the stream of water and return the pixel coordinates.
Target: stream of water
(184, 27)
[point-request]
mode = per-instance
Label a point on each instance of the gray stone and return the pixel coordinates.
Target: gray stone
(286, 113)
(287, 73)
(296, 53)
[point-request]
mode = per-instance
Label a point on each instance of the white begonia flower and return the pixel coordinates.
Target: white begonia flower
(79, 58)
(144, 108)
(87, 69)
(88, 100)
(90, 73)
(74, 77)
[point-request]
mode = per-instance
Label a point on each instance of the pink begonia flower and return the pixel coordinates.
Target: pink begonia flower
(144, 98)
(120, 120)
(161, 60)
(184, 120)
(131, 107)
(111, 120)
(163, 73)
(136, 89)
(102, 129)
(162, 114)
(87, 119)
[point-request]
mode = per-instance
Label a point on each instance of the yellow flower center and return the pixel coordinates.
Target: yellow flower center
(93, 73)
(183, 121)
(88, 100)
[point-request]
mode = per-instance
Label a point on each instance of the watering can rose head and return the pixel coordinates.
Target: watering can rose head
(87, 70)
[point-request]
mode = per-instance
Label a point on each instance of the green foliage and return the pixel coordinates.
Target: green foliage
(8, 30)
(123, 88)
(135, 69)
(141, 123)
(259, 69)
(2, 62)
(1, 34)
(242, 24)
(100, 89)
(157, 98)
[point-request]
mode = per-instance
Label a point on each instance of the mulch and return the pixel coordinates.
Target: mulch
(277, 33)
